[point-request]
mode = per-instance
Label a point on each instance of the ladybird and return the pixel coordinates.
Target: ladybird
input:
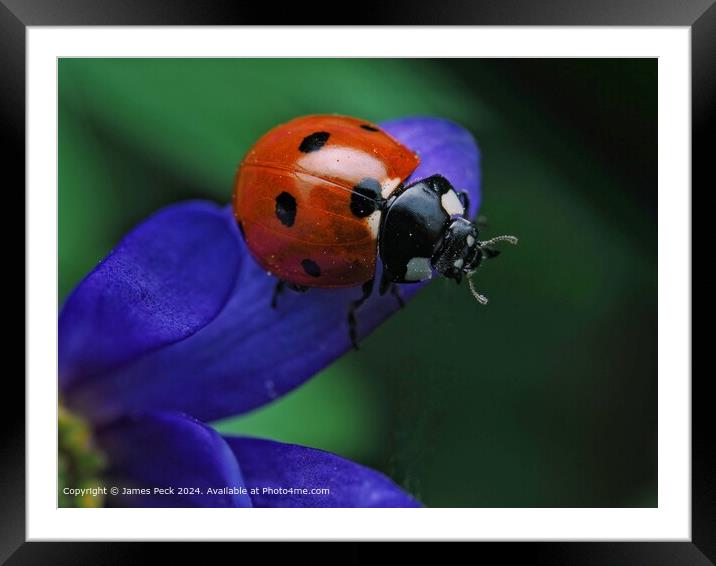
(320, 198)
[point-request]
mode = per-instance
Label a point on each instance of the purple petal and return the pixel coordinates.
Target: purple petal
(247, 356)
(166, 450)
(269, 465)
(167, 278)
(250, 354)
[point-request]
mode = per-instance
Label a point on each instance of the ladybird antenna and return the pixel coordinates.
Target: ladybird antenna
(506, 238)
(479, 297)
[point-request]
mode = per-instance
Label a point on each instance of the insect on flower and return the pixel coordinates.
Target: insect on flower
(320, 198)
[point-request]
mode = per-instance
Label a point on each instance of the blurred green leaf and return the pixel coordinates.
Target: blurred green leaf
(336, 411)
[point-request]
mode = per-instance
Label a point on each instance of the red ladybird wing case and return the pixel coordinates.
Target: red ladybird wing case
(307, 198)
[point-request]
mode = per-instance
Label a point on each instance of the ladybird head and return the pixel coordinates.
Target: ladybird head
(461, 252)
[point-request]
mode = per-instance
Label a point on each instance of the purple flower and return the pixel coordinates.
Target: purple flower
(177, 321)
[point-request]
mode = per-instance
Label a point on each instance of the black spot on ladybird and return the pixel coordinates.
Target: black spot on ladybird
(369, 128)
(311, 267)
(314, 142)
(286, 209)
(365, 197)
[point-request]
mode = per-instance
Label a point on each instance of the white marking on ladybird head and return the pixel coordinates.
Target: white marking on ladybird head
(459, 263)
(418, 269)
(389, 186)
(470, 240)
(451, 203)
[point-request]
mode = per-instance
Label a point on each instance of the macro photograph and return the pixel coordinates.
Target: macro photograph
(344, 282)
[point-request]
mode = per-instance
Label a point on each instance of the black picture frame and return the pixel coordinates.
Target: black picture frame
(17, 15)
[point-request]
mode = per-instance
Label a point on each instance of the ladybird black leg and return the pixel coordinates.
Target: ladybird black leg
(277, 290)
(395, 291)
(355, 305)
(465, 200)
(281, 286)
(297, 288)
(385, 283)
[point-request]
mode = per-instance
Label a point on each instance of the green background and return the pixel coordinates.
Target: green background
(547, 396)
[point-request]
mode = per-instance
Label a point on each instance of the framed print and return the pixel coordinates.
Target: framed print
(286, 284)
